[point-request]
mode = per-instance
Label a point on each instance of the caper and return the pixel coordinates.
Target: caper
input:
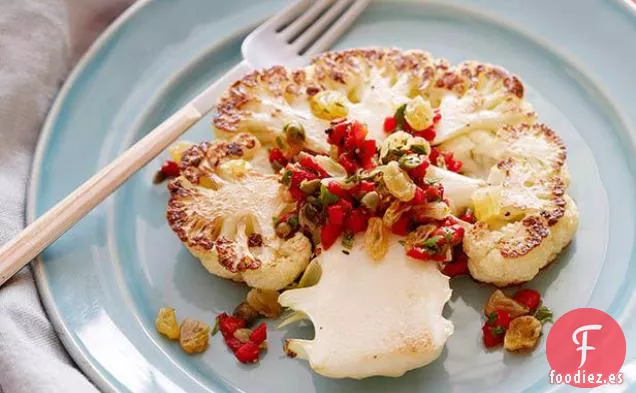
(312, 212)
(283, 229)
(410, 161)
(371, 200)
(310, 186)
(295, 132)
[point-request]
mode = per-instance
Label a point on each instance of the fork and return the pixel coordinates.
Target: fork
(289, 38)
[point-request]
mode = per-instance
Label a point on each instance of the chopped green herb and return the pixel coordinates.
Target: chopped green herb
(292, 220)
(347, 240)
(399, 116)
(544, 315)
(346, 252)
(326, 197)
(498, 330)
(275, 220)
(433, 181)
(402, 242)
(431, 242)
(215, 329)
(286, 179)
(492, 317)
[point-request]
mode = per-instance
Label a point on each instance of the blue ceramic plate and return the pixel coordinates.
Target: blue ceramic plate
(104, 280)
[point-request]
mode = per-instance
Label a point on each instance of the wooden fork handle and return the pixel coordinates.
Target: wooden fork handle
(52, 224)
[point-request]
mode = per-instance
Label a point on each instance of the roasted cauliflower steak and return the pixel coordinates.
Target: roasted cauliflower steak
(371, 317)
(222, 210)
(524, 216)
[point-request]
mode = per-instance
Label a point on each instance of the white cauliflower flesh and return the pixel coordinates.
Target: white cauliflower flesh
(524, 217)
(363, 84)
(477, 96)
(221, 209)
(371, 317)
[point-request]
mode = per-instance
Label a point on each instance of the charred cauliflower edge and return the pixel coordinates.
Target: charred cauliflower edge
(210, 211)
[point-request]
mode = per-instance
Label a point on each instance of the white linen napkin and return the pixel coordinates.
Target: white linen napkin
(39, 42)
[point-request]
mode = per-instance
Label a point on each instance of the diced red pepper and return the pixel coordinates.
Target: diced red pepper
(457, 235)
(401, 227)
(459, 265)
(259, 334)
(390, 124)
(419, 171)
(428, 133)
(448, 221)
(329, 234)
(276, 156)
(437, 117)
(337, 132)
(419, 254)
(528, 297)
(368, 149)
(366, 186)
(491, 339)
(298, 175)
(309, 163)
(501, 318)
(439, 257)
(468, 216)
(355, 136)
(419, 197)
(228, 324)
(432, 194)
(336, 214)
(248, 352)
(347, 162)
(170, 168)
(336, 189)
(357, 221)
(434, 156)
(452, 164)
(233, 343)
(296, 193)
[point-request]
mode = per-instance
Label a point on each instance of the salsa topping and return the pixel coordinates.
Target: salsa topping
(338, 194)
(514, 322)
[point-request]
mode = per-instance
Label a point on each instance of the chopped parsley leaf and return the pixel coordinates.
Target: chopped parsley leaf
(544, 315)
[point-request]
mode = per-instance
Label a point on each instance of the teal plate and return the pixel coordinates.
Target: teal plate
(103, 281)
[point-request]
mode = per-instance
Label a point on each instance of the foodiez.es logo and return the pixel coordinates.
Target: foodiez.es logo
(586, 348)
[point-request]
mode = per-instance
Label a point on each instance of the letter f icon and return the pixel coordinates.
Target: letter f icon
(583, 344)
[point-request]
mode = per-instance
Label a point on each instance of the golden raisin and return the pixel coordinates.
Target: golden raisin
(195, 336)
(394, 212)
(523, 333)
(166, 323)
(376, 239)
(265, 302)
(499, 301)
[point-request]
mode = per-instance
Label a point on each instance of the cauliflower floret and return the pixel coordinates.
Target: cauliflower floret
(363, 84)
(477, 96)
(222, 210)
(524, 217)
(362, 331)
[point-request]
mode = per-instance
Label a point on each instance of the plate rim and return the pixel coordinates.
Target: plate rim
(51, 310)
(90, 370)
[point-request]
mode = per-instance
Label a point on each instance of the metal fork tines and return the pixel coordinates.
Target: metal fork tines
(303, 29)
